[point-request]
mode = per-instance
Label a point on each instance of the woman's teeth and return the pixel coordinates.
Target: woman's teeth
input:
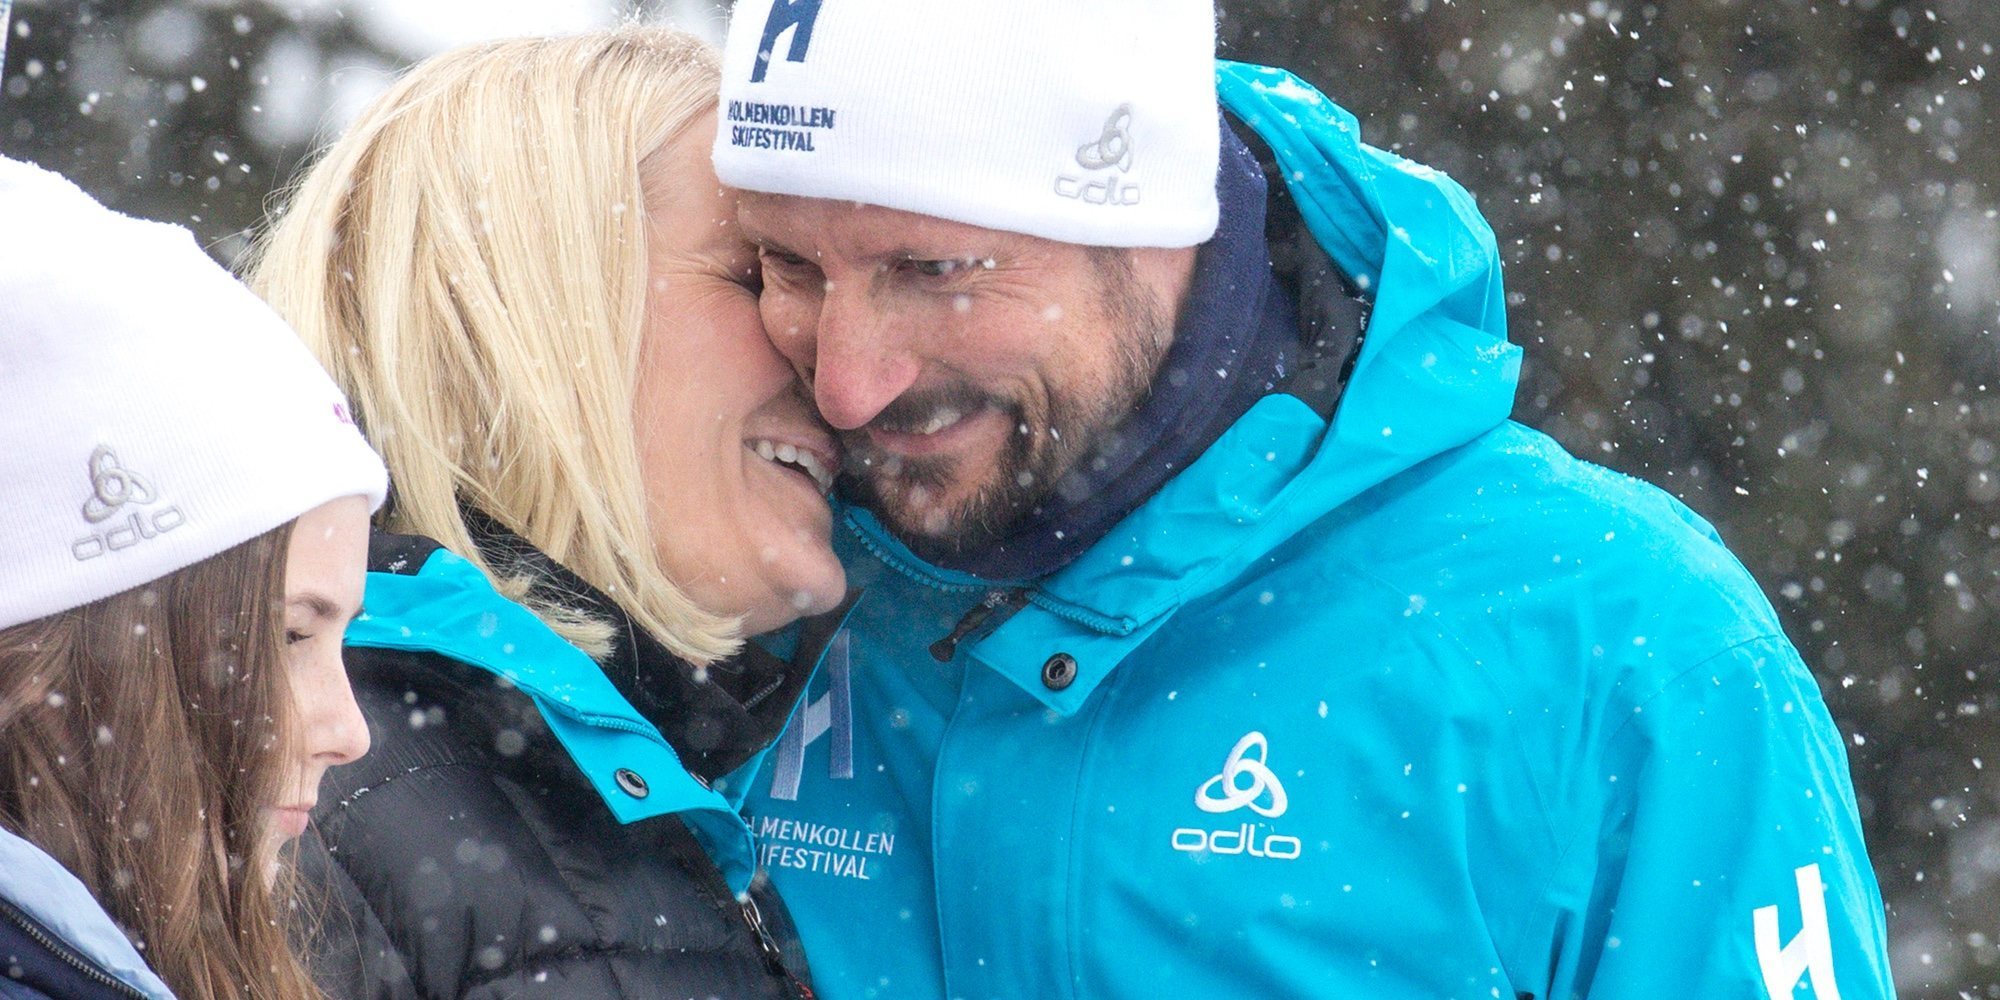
(798, 458)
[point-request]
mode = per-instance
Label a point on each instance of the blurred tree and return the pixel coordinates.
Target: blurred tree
(159, 107)
(1753, 251)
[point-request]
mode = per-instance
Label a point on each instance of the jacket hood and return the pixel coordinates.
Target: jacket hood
(39, 886)
(1435, 371)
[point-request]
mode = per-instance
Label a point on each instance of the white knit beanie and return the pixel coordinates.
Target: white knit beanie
(153, 411)
(1082, 121)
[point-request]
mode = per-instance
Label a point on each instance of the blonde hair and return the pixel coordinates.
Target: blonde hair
(469, 261)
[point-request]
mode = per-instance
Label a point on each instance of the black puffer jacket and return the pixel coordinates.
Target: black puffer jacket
(475, 851)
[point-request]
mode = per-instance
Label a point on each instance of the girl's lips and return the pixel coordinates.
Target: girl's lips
(291, 820)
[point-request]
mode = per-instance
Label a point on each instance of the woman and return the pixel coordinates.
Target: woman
(520, 265)
(184, 536)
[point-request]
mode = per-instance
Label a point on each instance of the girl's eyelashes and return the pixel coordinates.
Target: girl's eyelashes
(293, 637)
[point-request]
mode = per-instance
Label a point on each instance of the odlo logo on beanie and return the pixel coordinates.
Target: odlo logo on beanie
(113, 489)
(1113, 148)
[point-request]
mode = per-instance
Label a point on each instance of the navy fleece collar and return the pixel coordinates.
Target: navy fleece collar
(1232, 342)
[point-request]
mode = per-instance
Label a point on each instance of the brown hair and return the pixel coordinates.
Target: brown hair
(139, 740)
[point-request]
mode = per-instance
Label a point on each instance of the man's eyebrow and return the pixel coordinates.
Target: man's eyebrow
(771, 245)
(762, 242)
(912, 253)
(748, 229)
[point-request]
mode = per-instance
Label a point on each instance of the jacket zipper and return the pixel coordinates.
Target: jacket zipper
(19, 918)
(753, 918)
(1093, 620)
(944, 649)
(774, 957)
(883, 556)
(703, 868)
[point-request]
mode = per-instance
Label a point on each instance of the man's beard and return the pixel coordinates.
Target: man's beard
(1048, 440)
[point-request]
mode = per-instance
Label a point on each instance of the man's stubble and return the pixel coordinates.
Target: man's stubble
(1049, 440)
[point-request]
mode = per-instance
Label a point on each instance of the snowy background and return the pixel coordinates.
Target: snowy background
(1753, 247)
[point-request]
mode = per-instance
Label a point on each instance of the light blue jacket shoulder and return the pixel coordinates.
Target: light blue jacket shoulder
(46, 891)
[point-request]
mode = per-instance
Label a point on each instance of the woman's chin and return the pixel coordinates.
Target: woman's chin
(822, 600)
(802, 596)
(827, 587)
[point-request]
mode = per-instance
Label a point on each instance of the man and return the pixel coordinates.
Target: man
(1221, 635)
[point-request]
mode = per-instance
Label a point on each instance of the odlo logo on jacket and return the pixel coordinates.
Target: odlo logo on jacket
(1246, 782)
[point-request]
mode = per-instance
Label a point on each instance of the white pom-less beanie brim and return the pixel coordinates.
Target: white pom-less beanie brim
(155, 412)
(1089, 123)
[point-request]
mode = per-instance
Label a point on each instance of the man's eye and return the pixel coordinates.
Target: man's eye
(932, 268)
(293, 637)
(782, 259)
(941, 268)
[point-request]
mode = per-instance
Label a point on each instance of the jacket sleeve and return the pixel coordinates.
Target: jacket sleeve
(1728, 858)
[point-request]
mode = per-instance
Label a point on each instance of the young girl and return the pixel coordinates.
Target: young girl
(184, 532)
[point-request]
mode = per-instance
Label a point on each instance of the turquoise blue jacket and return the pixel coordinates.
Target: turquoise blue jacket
(1414, 704)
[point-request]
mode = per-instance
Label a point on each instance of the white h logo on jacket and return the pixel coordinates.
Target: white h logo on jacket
(1809, 953)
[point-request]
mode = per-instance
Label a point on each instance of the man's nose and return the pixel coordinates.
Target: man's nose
(862, 359)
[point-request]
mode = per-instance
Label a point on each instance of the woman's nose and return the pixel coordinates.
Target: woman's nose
(340, 732)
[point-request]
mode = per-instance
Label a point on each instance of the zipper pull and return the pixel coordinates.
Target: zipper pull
(944, 649)
(774, 957)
